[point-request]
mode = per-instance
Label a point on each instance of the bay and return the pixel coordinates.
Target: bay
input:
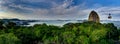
(62, 22)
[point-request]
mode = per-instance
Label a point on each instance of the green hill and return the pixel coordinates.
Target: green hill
(70, 33)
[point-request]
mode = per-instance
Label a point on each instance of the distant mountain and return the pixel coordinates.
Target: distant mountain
(54, 22)
(18, 21)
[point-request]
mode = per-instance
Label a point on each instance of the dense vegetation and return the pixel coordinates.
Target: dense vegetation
(71, 33)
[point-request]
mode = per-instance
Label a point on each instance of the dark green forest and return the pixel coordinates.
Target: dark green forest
(70, 33)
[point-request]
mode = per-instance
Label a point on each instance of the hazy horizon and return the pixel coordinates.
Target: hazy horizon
(59, 9)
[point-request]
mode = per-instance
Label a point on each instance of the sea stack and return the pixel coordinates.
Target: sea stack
(94, 17)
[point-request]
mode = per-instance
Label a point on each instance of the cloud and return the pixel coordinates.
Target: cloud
(105, 11)
(61, 10)
(57, 9)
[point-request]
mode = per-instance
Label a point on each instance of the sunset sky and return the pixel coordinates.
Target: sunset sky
(59, 9)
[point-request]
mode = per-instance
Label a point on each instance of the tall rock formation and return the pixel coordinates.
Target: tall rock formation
(94, 17)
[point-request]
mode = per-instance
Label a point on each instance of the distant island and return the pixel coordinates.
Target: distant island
(18, 22)
(91, 31)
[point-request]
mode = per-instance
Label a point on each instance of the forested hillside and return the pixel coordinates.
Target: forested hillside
(70, 33)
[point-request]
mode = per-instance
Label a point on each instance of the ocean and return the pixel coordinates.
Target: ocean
(62, 22)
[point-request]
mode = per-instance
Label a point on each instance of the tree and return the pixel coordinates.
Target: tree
(68, 37)
(82, 40)
(1, 25)
(11, 25)
(9, 38)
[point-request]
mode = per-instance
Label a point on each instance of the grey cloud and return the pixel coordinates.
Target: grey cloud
(59, 10)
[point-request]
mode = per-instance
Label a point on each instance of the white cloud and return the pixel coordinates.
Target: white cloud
(60, 11)
(104, 12)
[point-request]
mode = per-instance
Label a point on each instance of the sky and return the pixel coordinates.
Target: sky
(59, 9)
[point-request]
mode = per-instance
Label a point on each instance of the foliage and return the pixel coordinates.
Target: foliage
(70, 33)
(9, 38)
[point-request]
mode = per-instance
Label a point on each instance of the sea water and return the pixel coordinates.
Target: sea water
(62, 22)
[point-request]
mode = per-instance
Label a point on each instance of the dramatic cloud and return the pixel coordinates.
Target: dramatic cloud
(58, 9)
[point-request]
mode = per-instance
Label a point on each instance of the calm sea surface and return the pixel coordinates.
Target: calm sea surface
(62, 22)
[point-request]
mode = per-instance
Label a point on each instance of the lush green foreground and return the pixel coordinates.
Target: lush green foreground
(71, 33)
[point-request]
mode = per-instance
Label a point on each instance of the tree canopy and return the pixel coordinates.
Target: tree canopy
(70, 33)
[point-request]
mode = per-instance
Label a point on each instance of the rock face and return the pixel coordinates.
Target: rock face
(94, 17)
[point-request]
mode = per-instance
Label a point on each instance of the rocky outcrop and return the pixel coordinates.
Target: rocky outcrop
(94, 17)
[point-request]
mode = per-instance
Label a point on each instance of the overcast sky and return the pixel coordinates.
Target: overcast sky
(58, 9)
